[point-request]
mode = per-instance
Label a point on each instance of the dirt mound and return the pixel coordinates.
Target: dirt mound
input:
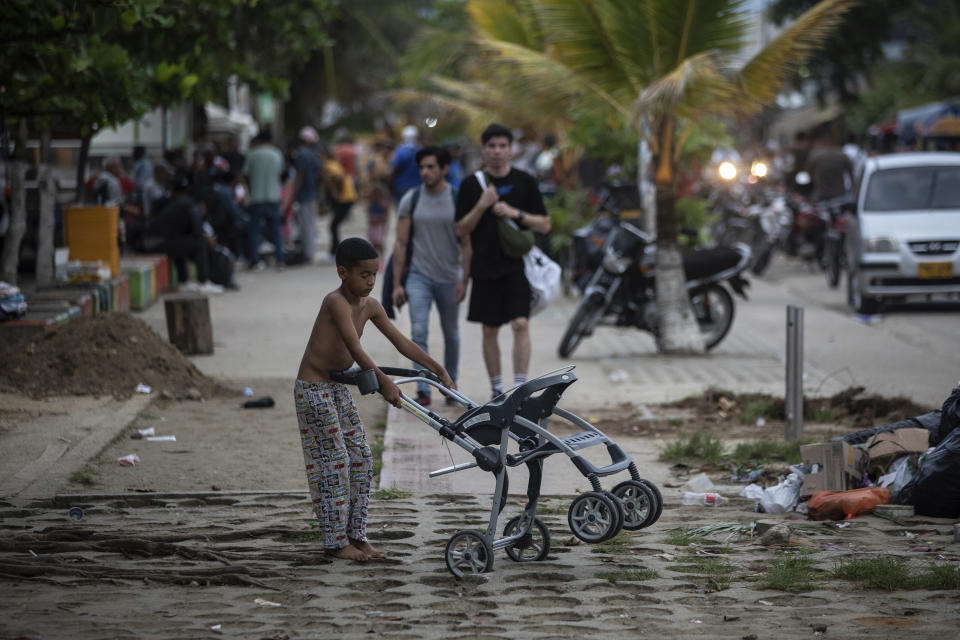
(102, 355)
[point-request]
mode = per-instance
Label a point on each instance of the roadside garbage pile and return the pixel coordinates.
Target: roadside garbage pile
(12, 304)
(914, 462)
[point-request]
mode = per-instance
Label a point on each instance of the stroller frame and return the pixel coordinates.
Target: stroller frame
(485, 432)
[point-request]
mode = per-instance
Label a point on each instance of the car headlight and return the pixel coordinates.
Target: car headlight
(614, 262)
(880, 245)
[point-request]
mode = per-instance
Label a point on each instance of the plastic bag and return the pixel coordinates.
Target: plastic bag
(543, 274)
(830, 505)
(934, 490)
(949, 417)
(897, 476)
(784, 496)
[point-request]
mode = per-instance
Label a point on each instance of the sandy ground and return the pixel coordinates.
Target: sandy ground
(215, 529)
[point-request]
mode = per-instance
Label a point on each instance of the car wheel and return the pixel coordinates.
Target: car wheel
(858, 301)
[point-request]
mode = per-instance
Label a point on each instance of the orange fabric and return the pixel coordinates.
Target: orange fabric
(830, 505)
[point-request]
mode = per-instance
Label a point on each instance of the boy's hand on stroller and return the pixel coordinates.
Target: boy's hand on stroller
(390, 392)
(445, 379)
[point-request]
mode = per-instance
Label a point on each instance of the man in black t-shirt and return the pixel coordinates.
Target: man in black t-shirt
(500, 293)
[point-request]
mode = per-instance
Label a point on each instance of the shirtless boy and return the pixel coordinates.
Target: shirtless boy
(338, 461)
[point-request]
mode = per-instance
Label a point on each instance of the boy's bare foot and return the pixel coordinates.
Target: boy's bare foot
(349, 552)
(367, 548)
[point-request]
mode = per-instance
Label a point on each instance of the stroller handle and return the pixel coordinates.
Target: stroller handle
(367, 382)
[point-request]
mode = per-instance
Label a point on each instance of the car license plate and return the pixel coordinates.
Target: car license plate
(935, 270)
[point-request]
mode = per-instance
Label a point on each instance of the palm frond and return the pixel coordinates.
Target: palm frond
(683, 28)
(763, 76)
(508, 21)
(537, 74)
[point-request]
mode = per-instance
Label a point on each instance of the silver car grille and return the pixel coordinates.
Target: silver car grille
(934, 247)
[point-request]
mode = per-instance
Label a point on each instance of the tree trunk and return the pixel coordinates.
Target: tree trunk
(45, 226)
(678, 329)
(18, 208)
(80, 195)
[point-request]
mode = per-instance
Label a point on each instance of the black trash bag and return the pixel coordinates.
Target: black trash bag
(929, 421)
(949, 417)
(222, 266)
(934, 490)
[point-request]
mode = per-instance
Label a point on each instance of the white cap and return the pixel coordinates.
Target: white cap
(409, 134)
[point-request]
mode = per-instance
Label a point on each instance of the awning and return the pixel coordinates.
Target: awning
(219, 120)
(916, 122)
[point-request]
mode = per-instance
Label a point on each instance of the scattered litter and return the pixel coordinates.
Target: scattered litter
(619, 376)
(727, 618)
(62, 439)
(247, 391)
(726, 404)
(708, 499)
(864, 318)
(149, 431)
(784, 496)
(216, 628)
(777, 535)
(129, 460)
(761, 422)
(390, 618)
(644, 413)
(76, 513)
(699, 483)
(33, 553)
(593, 420)
(266, 603)
(572, 541)
(142, 388)
(260, 403)
(843, 525)
(752, 492)
(769, 604)
(162, 439)
(635, 427)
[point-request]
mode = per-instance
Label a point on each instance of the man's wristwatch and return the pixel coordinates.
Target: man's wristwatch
(520, 215)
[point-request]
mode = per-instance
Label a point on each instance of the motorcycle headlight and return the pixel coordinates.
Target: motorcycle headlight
(614, 262)
(727, 170)
(880, 245)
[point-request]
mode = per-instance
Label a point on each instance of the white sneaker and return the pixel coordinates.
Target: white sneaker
(211, 288)
(189, 287)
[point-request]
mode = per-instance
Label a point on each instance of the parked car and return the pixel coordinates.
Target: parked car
(904, 234)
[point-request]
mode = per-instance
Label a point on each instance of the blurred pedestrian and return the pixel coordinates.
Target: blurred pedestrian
(341, 195)
(500, 291)
(305, 192)
(263, 170)
(406, 174)
(438, 271)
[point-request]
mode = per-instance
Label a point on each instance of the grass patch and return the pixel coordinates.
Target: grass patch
(793, 573)
(893, 574)
(757, 408)
(700, 446)
(377, 449)
(85, 476)
(302, 536)
(823, 413)
(717, 570)
(634, 575)
(756, 453)
(617, 544)
(552, 509)
(390, 494)
(888, 574)
(682, 536)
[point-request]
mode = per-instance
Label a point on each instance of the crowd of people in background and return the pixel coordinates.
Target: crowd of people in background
(225, 210)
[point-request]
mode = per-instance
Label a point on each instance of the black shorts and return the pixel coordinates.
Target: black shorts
(497, 302)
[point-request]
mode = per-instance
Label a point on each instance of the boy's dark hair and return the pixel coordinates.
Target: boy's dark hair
(441, 154)
(264, 137)
(496, 131)
(352, 250)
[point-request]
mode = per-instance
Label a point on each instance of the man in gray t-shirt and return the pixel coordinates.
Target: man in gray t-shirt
(439, 265)
(262, 169)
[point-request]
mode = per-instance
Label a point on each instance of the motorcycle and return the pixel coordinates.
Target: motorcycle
(834, 257)
(621, 290)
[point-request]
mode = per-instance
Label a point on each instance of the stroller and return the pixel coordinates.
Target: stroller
(521, 415)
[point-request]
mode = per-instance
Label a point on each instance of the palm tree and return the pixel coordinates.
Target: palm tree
(658, 65)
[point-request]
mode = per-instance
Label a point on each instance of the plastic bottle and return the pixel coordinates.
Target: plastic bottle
(709, 499)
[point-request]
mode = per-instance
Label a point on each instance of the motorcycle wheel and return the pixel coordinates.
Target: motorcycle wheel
(713, 307)
(582, 318)
(762, 260)
(832, 267)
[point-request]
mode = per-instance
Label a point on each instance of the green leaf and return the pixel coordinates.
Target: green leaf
(58, 22)
(187, 83)
(129, 19)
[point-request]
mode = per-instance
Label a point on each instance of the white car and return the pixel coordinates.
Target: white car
(904, 235)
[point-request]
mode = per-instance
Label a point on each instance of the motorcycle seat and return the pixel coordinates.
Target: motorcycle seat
(706, 262)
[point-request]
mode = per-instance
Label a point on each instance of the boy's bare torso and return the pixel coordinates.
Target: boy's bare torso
(326, 350)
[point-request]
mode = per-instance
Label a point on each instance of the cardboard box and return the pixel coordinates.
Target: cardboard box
(893, 444)
(840, 467)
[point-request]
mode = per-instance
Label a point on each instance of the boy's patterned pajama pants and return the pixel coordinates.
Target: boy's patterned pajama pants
(339, 463)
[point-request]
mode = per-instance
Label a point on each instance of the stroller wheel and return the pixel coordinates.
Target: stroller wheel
(468, 553)
(641, 502)
(593, 517)
(531, 548)
(618, 511)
